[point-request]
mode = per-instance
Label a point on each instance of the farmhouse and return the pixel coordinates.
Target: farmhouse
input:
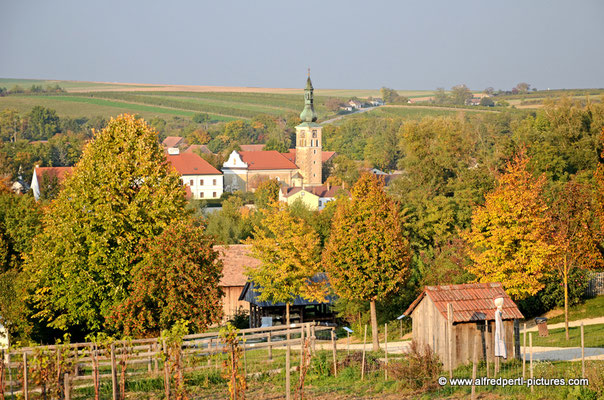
(245, 170)
(452, 315)
(235, 259)
(173, 141)
(201, 179)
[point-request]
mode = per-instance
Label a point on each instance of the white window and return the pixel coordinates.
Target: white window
(201, 182)
(191, 182)
(213, 194)
(214, 183)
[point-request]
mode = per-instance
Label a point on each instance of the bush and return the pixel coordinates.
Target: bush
(419, 370)
(241, 319)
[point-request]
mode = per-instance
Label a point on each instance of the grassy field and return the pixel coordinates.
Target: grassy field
(592, 308)
(594, 337)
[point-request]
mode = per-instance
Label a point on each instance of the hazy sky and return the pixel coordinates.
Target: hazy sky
(348, 44)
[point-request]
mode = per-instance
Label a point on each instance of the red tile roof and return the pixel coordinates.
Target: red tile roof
(252, 147)
(325, 155)
(270, 159)
(172, 141)
(471, 301)
(51, 172)
(201, 148)
(235, 258)
(191, 164)
(320, 191)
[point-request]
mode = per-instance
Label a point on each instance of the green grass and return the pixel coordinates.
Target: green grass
(592, 308)
(594, 337)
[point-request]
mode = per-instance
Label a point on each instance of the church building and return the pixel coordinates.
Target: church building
(302, 166)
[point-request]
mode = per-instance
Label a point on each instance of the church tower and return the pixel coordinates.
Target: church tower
(309, 141)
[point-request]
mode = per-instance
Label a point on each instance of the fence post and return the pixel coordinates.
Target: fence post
(156, 358)
(244, 355)
(67, 386)
(150, 359)
(2, 384)
(450, 337)
(25, 384)
(287, 370)
(166, 371)
(335, 349)
(113, 373)
(10, 373)
(582, 352)
(524, 353)
(386, 350)
(531, 362)
(487, 345)
(301, 342)
(270, 347)
(474, 365)
(363, 361)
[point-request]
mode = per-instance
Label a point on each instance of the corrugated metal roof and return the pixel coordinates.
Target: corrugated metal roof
(471, 301)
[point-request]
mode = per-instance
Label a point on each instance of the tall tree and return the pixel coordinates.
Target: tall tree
(510, 235)
(367, 254)
(575, 234)
(176, 279)
(43, 123)
(290, 254)
(121, 191)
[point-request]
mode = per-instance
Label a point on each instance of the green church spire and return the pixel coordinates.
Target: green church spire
(308, 114)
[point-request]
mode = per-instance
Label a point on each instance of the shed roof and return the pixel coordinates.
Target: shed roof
(250, 294)
(235, 258)
(51, 172)
(471, 301)
(172, 141)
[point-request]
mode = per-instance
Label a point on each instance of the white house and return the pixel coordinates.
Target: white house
(3, 337)
(203, 180)
(355, 104)
(376, 102)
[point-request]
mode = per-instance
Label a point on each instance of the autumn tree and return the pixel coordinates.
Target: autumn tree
(289, 251)
(367, 255)
(176, 279)
(510, 233)
(574, 234)
(267, 193)
(121, 191)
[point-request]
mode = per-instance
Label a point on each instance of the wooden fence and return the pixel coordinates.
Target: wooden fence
(55, 371)
(596, 284)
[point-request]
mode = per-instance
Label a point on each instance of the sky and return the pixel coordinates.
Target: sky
(350, 44)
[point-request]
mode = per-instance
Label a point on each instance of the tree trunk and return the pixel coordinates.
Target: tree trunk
(374, 327)
(566, 296)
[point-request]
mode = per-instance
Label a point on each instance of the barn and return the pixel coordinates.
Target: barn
(451, 315)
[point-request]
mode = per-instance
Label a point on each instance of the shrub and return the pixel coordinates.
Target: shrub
(419, 370)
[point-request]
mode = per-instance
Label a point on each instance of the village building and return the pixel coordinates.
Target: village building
(315, 198)
(376, 102)
(173, 141)
(235, 259)
(199, 176)
(472, 313)
(356, 104)
(245, 170)
(266, 313)
(47, 178)
(198, 148)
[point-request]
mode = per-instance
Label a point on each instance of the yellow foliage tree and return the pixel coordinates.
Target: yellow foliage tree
(511, 234)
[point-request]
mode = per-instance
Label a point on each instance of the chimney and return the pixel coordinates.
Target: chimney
(328, 185)
(173, 151)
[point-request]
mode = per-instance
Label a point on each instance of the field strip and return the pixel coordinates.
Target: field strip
(439, 108)
(235, 104)
(135, 106)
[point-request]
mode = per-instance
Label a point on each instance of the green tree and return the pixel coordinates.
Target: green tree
(575, 235)
(510, 235)
(201, 118)
(230, 225)
(289, 251)
(487, 102)
(120, 192)
(176, 279)
(43, 123)
(11, 125)
(460, 94)
(367, 255)
(388, 95)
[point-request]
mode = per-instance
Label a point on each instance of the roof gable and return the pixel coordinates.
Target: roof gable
(235, 259)
(471, 301)
(51, 172)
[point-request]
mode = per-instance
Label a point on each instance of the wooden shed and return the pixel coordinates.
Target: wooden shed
(451, 315)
